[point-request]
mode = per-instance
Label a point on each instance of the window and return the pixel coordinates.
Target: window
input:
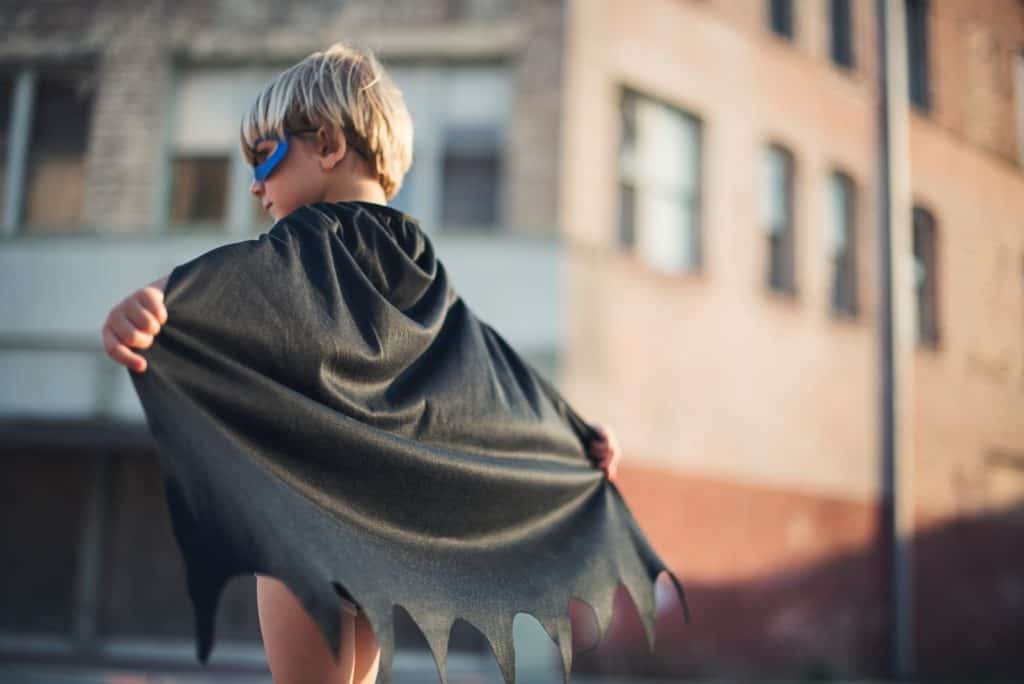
(208, 179)
(841, 33)
(1019, 89)
(917, 53)
(777, 218)
(461, 113)
(842, 243)
(471, 171)
(660, 184)
(780, 18)
(925, 279)
(45, 117)
(199, 188)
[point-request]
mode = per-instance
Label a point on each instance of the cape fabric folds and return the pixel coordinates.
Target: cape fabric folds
(330, 412)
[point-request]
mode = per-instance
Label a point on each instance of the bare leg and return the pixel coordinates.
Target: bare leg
(296, 650)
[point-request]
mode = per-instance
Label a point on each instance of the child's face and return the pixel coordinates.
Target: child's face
(295, 181)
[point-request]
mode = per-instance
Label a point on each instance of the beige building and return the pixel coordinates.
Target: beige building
(119, 159)
(670, 206)
(721, 213)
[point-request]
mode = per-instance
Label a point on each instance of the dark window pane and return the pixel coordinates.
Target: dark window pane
(199, 189)
(55, 173)
(144, 592)
(779, 205)
(926, 277)
(841, 32)
(627, 215)
(780, 17)
(471, 169)
(43, 496)
(844, 247)
(917, 52)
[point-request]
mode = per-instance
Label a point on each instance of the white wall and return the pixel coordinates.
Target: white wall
(55, 293)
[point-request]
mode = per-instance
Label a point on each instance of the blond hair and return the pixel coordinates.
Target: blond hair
(342, 89)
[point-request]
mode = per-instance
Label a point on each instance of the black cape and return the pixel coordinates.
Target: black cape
(328, 411)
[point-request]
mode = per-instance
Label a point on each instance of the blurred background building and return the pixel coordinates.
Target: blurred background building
(672, 208)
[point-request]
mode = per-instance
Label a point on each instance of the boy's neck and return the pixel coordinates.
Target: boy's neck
(356, 190)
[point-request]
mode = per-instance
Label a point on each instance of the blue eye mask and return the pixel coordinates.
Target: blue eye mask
(264, 169)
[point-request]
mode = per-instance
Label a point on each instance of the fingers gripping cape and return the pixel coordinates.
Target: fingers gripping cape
(328, 411)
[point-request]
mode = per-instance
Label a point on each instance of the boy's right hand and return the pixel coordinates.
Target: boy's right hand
(134, 323)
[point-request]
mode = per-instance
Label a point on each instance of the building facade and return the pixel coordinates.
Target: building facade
(721, 203)
(670, 206)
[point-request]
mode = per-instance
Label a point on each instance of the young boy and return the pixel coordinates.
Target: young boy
(332, 128)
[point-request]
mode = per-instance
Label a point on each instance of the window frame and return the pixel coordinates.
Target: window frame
(918, 54)
(844, 266)
(427, 86)
(928, 332)
(787, 283)
(841, 26)
(238, 203)
(1018, 88)
(781, 19)
(690, 198)
(26, 80)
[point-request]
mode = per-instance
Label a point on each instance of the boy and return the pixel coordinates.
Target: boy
(333, 128)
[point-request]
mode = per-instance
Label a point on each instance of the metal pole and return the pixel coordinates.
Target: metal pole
(897, 334)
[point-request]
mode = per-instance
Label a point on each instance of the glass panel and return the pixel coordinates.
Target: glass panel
(841, 243)
(917, 52)
(471, 169)
(781, 17)
(55, 173)
(925, 265)
(662, 239)
(1018, 87)
(628, 145)
(627, 214)
(842, 32)
(838, 212)
(668, 139)
(471, 189)
(775, 197)
(43, 496)
(199, 190)
(777, 209)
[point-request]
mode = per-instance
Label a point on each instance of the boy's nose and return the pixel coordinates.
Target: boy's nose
(256, 187)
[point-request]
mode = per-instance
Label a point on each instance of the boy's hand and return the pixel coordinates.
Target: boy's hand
(134, 323)
(605, 452)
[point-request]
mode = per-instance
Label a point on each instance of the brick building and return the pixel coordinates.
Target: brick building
(697, 178)
(720, 210)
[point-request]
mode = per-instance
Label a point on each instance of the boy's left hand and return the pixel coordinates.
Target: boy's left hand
(605, 452)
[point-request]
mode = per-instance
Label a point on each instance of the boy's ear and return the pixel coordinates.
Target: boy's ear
(332, 148)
